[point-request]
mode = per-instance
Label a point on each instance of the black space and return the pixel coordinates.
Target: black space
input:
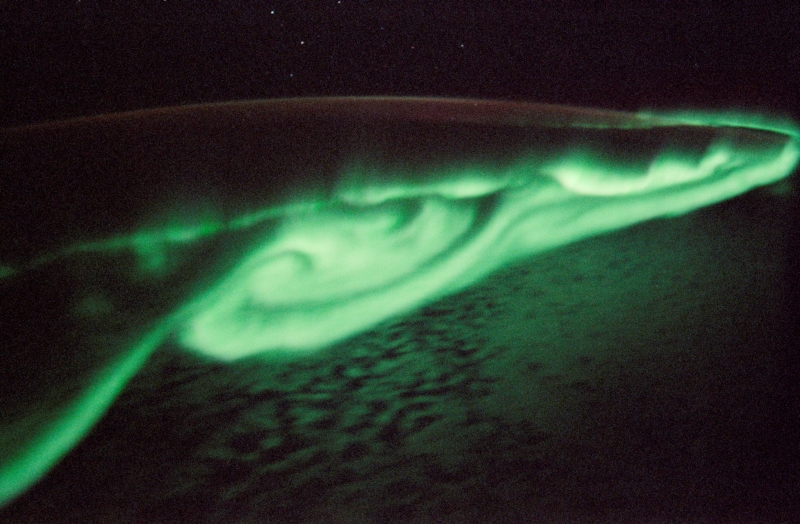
(62, 59)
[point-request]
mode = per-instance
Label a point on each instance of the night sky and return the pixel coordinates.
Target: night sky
(85, 57)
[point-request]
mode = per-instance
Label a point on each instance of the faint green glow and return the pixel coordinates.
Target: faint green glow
(41, 453)
(731, 119)
(379, 250)
(6, 271)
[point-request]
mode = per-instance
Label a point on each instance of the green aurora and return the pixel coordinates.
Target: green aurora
(271, 229)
